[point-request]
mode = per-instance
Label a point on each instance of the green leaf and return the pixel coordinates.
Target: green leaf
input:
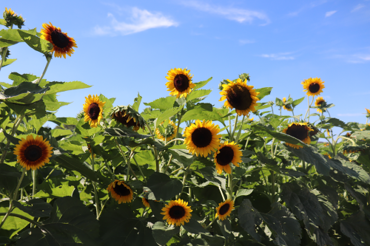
(162, 233)
(357, 228)
(2, 22)
(19, 78)
(298, 101)
(56, 87)
(35, 207)
(263, 92)
(243, 192)
(194, 227)
(331, 122)
(137, 102)
(24, 93)
(248, 218)
(201, 111)
(145, 157)
(163, 186)
(60, 133)
(85, 130)
(52, 103)
(167, 114)
(197, 94)
(12, 139)
(13, 224)
(9, 37)
(35, 42)
(123, 132)
(259, 128)
(202, 83)
(8, 62)
(162, 103)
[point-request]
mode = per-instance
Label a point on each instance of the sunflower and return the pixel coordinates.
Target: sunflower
(313, 86)
(128, 116)
(10, 12)
(328, 155)
(299, 131)
(368, 112)
(93, 109)
(240, 96)
(179, 82)
(62, 43)
(168, 133)
(33, 153)
(177, 212)
(202, 137)
(287, 106)
(120, 191)
(224, 209)
(227, 153)
(319, 101)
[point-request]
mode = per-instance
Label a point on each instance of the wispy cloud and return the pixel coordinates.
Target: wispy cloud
(246, 41)
(330, 13)
(235, 14)
(359, 58)
(140, 20)
(307, 6)
(357, 7)
(350, 115)
(279, 56)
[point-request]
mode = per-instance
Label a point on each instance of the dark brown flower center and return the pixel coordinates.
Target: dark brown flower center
(224, 209)
(239, 97)
(287, 106)
(93, 111)
(201, 137)
(314, 87)
(181, 82)
(177, 212)
(225, 156)
(33, 153)
(298, 131)
(121, 190)
(119, 116)
(59, 39)
(320, 102)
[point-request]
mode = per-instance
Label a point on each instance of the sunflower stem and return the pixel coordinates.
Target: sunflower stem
(235, 125)
(33, 183)
(48, 58)
(141, 171)
(240, 130)
(124, 157)
(230, 130)
(178, 123)
(222, 194)
(97, 202)
(214, 219)
(230, 190)
(173, 140)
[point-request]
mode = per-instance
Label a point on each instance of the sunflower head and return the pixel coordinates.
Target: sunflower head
(177, 212)
(287, 106)
(224, 209)
(12, 18)
(202, 138)
(120, 191)
(313, 86)
(33, 153)
(62, 43)
(93, 109)
(240, 96)
(321, 104)
(368, 113)
(128, 116)
(179, 82)
(300, 131)
(227, 153)
(166, 133)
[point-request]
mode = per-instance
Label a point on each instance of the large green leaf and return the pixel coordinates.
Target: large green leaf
(162, 233)
(357, 228)
(202, 83)
(194, 227)
(36, 43)
(24, 93)
(163, 186)
(249, 217)
(298, 101)
(35, 207)
(56, 87)
(263, 92)
(201, 111)
(197, 94)
(9, 37)
(167, 114)
(8, 62)
(145, 157)
(71, 162)
(13, 224)
(162, 103)
(137, 102)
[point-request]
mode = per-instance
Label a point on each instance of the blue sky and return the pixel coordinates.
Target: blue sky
(126, 47)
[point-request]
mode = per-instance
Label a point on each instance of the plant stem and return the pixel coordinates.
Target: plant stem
(97, 202)
(141, 171)
(48, 58)
(33, 183)
(235, 125)
(240, 130)
(222, 194)
(124, 157)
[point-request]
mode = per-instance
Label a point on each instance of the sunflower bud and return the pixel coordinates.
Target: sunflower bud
(128, 116)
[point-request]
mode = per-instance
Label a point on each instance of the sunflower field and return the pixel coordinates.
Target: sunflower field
(177, 170)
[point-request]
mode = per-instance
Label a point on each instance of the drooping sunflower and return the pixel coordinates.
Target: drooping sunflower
(177, 212)
(168, 133)
(33, 153)
(120, 191)
(62, 43)
(179, 82)
(93, 109)
(286, 106)
(240, 96)
(227, 153)
(299, 131)
(202, 138)
(313, 86)
(224, 209)
(128, 116)
(318, 102)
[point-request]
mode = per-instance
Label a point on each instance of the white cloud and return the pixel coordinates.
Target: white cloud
(357, 7)
(359, 58)
(279, 56)
(246, 41)
(330, 13)
(307, 6)
(350, 115)
(235, 14)
(140, 20)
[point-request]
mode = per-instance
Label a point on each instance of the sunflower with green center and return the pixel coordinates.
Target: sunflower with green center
(319, 102)
(313, 86)
(128, 117)
(227, 153)
(224, 209)
(177, 212)
(202, 138)
(168, 133)
(300, 131)
(179, 82)
(33, 153)
(62, 43)
(240, 96)
(93, 109)
(120, 191)
(286, 106)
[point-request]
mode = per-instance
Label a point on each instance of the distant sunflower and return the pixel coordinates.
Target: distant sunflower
(179, 82)
(224, 209)
(120, 191)
(168, 133)
(328, 155)
(368, 112)
(93, 109)
(240, 96)
(299, 131)
(145, 202)
(177, 212)
(202, 137)
(128, 117)
(10, 12)
(286, 106)
(227, 153)
(33, 153)
(313, 86)
(319, 101)
(62, 43)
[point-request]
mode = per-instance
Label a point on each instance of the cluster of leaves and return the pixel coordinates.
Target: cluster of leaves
(283, 195)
